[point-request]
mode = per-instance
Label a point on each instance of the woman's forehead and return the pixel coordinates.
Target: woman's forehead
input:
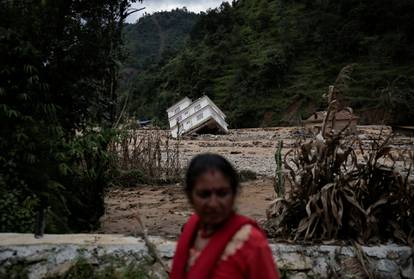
(212, 177)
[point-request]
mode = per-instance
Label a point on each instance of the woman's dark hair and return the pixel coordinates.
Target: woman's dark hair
(202, 163)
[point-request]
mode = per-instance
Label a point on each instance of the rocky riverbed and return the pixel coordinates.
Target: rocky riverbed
(254, 149)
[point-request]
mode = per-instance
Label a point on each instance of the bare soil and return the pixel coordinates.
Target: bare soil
(164, 209)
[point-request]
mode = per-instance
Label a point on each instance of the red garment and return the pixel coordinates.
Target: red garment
(252, 260)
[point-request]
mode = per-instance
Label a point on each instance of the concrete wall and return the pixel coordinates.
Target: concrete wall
(55, 254)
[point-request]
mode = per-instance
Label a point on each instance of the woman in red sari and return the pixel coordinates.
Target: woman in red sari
(216, 242)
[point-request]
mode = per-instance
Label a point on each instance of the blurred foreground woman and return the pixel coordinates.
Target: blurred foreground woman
(216, 242)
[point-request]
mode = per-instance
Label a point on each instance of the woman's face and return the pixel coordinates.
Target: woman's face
(213, 198)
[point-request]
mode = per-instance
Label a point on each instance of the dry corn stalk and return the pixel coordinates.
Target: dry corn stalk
(336, 195)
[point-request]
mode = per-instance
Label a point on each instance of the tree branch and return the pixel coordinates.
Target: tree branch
(127, 14)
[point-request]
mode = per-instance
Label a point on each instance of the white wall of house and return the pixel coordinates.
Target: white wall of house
(193, 114)
(178, 107)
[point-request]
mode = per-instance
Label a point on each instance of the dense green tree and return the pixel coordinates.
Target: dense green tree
(277, 57)
(58, 75)
(154, 39)
(157, 36)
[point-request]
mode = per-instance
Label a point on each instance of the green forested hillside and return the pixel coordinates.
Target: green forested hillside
(157, 36)
(268, 62)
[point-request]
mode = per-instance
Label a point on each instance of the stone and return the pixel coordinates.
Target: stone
(407, 270)
(62, 268)
(294, 261)
(300, 275)
(386, 265)
(55, 254)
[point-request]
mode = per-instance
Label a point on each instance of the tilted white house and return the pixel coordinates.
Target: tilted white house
(201, 116)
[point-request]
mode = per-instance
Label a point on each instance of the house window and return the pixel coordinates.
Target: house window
(200, 116)
(177, 110)
(197, 107)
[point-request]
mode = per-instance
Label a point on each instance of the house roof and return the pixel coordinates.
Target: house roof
(319, 115)
(340, 115)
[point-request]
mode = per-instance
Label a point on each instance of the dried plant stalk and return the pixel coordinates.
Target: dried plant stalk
(336, 195)
(148, 151)
(152, 249)
(279, 181)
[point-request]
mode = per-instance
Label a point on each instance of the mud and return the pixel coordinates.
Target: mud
(164, 209)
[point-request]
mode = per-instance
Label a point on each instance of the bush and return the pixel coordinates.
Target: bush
(52, 88)
(129, 178)
(89, 166)
(70, 189)
(17, 212)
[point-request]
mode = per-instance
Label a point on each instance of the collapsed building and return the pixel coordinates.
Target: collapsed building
(201, 116)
